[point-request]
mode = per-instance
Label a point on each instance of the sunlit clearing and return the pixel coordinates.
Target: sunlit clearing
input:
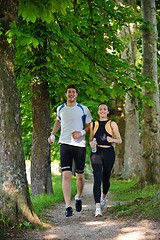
(51, 236)
(128, 233)
(128, 236)
(98, 223)
(85, 206)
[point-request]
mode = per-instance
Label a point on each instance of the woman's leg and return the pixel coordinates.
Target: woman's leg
(96, 163)
(108, 162)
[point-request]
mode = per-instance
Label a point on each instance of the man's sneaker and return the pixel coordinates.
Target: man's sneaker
(98, 212)
(103, 202)
(78, 204)
(69, 212)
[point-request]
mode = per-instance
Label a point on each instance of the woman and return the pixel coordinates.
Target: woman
(106, 132)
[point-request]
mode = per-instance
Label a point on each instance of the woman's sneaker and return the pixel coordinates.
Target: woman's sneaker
(98, 212)
(103, 202)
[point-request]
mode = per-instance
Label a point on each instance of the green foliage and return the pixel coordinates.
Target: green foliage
(26, 225)
(1, 29)
(26, 110)
(73, 42)
(134, 200)
(33, 10)
(4, 223)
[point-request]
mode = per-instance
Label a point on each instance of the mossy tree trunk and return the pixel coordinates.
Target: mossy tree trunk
(119, 148)
(14, 193)
(41, 179)
(132, 145)
(150, 114)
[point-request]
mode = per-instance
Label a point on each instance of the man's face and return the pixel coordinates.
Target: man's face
(71, 95)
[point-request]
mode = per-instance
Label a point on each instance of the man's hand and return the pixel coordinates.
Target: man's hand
(76, 134)
(51, 139)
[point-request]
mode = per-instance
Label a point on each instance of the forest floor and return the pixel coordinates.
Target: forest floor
(85, 225)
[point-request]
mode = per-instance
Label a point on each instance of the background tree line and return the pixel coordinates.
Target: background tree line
(109, 50)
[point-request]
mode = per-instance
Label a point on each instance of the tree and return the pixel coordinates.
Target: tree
(82, 47)
(14, 192)
(132, 148)
(34, 60)
(150, 114)
(41, 179)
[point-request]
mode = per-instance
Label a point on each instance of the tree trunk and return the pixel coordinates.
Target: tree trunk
(119, 148)
(150, 114)
(132, 145)
(14, 193)
(41, 179)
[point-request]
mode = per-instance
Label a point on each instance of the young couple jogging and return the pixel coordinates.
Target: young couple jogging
(75, 121)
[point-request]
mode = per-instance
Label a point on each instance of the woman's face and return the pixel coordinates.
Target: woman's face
(103, 111)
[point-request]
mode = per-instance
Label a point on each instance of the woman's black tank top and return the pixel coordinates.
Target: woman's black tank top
(101, 134)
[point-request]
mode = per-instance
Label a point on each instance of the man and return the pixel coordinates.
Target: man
(73, 119)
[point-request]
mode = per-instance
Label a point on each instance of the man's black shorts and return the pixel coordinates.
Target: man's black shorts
(68, 153)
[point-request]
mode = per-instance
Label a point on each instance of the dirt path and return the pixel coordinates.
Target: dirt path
(85, 225)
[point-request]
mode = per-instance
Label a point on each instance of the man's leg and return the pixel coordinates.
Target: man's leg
(66, 187)
(79, 184)
(66, 167)
(79, 158)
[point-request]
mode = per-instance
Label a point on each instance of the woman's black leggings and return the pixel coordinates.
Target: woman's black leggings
(102, 163)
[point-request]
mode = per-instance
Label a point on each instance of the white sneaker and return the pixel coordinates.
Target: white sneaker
(103, 202)
(98, 212)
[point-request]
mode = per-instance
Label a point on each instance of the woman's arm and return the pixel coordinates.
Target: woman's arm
(91, 132)
(92, 144)
(116, 134)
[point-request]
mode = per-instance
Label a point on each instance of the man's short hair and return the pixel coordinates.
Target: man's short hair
(72, 86)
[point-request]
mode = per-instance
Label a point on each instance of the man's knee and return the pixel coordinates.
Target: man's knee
(79, 176)
(66, 175)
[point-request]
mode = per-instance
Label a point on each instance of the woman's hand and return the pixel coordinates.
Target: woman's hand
(110, 139)
(93, 144)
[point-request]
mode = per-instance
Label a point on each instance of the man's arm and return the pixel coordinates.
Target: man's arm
(87, 128)
(78, 134)
(56, 127)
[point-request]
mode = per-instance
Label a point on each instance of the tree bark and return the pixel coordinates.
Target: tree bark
(119, 148)
(14, 193)
(150, 114)
(132, 144)
(41, 179)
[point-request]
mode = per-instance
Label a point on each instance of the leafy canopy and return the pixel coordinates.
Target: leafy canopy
(63, 42)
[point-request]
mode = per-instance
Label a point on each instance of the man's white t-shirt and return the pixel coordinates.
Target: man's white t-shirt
(71, 120)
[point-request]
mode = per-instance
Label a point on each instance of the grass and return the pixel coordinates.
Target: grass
(45, 201)
(132, 200)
